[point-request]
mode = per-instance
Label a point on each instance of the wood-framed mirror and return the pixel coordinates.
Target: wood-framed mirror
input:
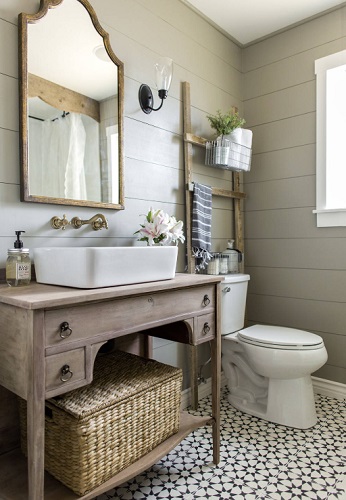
(71, 96)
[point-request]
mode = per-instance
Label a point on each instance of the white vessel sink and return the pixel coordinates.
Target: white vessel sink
(96, 267)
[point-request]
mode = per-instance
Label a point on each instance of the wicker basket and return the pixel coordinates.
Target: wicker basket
(92, 433)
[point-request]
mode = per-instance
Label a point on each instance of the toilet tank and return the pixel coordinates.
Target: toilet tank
(233, 301)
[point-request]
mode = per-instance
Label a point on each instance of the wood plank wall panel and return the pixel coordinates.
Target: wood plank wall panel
(9, 157)
(298, 271)
(9, 109)
(265, 164)
(318, 33)
(203, 33)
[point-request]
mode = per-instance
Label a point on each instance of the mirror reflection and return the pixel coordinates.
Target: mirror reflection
(72, 102)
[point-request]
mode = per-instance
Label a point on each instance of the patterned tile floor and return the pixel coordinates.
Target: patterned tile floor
(259, 460)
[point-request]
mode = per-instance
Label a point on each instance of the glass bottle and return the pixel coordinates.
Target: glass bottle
(18, 264)
(224, 263)
(18, 267)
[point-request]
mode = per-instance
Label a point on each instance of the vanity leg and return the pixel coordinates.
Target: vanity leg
(216, 388)
(36, 409)
(194, 376)
(148, 346)
(216, 380)
(35, 433)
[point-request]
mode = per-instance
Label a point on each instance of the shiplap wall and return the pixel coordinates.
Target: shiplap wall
(298, 271)
(140, 32)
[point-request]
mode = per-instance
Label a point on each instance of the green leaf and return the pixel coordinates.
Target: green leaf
(224, 124)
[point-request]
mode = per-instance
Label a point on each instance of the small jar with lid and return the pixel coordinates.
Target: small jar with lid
(224, 263)
(214, 264)
(234, 257)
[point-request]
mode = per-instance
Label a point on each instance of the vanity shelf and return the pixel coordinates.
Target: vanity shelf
(13, 467)
(34, 348)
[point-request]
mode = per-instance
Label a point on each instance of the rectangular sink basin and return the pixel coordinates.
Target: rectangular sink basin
(96, 267)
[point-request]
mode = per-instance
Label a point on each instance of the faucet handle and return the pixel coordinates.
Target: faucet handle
(100, 223)
(58, 223)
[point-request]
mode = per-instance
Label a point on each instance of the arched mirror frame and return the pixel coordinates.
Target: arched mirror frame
(23, 21)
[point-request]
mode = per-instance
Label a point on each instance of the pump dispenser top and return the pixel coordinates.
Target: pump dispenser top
(18, 264)
(18, 243)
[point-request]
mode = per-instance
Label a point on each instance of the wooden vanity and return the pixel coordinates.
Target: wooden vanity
(50, 336)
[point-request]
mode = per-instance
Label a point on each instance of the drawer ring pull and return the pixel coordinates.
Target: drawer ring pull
(65, 330)
(66, 373)
(206, 328)
(206, 300)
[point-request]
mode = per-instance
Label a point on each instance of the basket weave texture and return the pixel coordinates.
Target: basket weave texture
(92, 433)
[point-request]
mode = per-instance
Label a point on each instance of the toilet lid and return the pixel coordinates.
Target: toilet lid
(280, 337)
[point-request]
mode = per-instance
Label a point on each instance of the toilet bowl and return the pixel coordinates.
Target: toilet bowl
(268, 368)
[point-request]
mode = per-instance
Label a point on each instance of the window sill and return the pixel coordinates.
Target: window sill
(333, 217)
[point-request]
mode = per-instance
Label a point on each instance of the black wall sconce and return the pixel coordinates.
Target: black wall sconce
(163, 77)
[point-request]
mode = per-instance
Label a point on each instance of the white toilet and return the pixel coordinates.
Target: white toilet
(268, 368)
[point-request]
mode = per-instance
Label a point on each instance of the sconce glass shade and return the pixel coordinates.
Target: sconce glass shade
(163, 77)
(164, 73)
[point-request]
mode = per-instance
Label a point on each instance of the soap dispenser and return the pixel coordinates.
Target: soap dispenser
(18, 264)
(234, 257)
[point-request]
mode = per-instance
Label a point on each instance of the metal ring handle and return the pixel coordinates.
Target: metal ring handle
(206, 328)
(66, 373)
(206, 300)
(65, 330)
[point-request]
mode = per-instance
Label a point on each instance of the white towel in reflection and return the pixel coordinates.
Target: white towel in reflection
(75, 187)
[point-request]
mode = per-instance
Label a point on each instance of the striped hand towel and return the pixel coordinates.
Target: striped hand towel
(201, 224)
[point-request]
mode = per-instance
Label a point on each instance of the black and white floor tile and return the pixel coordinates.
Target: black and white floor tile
(259, 460)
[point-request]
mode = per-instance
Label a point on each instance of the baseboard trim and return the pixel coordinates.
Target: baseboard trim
(321, 386)
(329, 388)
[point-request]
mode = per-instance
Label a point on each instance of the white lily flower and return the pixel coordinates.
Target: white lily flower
(160, 229)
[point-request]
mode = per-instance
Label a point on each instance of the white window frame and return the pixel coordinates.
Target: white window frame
(325, 217)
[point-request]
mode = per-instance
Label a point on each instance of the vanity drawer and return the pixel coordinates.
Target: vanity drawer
(204, 328)
(63, 370)
(127, 314)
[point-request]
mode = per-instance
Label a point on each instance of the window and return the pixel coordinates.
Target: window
(331, 140)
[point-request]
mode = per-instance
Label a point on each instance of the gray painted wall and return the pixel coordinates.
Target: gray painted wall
(298, 271)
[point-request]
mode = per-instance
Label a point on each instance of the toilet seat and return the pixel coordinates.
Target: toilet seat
(278, 337)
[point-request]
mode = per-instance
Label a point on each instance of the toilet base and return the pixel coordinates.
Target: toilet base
(290, 403)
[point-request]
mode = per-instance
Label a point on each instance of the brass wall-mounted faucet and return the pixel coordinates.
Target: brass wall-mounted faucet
(97, 222)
